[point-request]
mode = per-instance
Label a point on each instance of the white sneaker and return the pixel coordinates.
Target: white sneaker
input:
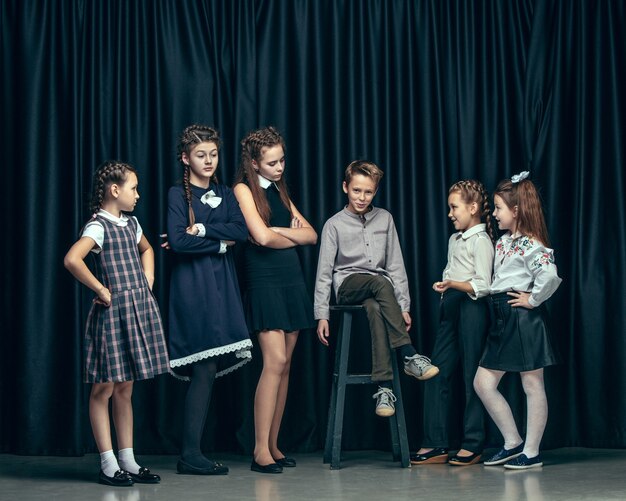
(385, 402)
(420, 367)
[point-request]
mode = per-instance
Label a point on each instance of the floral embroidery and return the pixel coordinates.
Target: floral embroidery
(515, 246)
(542, 259)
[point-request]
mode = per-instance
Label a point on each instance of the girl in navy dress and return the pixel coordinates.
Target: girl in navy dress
(463, 325)
(276, 300)
(524, 277)
(208, 333)
(124, 339)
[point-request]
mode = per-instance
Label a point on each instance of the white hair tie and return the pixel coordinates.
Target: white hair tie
(519, 177)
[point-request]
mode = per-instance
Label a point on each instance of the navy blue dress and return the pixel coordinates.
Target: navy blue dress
(275, 294)
(205, 312)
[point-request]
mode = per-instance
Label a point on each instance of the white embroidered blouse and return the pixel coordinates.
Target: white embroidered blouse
(525, 265)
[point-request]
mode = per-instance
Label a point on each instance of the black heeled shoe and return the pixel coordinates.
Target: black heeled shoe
(268, 468)
(438, 455)
(465, 460)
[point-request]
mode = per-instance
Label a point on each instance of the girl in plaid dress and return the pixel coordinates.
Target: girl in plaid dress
(124, 338)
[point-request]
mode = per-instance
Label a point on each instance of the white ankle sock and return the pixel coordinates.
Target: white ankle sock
(127, 460)
(108, 463)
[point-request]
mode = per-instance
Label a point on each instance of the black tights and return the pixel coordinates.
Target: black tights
(196, 408)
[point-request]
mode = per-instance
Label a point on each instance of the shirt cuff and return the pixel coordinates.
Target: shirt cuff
(201, 230)
(223, 247)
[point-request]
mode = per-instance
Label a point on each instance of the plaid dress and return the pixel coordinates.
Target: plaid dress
(125, 341)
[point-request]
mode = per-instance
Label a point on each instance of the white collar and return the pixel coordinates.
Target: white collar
(473, 230)
(265, 183)
(119, 221)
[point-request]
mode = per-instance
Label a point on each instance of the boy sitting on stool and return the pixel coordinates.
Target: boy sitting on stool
(360, 257)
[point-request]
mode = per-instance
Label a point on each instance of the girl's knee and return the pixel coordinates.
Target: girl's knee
(123, 390)
(101, 391)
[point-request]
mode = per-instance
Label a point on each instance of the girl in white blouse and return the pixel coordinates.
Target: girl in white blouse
(525, 276)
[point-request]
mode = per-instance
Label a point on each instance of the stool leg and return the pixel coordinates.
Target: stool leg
(344, 347)
(398, 426)
(332, 407)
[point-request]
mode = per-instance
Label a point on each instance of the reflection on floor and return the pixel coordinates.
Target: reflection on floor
(568, 474)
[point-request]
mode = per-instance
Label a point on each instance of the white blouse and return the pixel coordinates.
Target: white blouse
(470, 259)
(94, 229)
(525, 265)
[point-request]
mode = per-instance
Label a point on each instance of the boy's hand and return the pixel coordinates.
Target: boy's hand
(407, 320)
(323, 331)
(165, 244)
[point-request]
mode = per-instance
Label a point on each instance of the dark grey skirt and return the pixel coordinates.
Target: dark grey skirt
(519, 339)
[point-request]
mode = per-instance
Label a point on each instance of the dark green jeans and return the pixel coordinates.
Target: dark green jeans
(387, 326)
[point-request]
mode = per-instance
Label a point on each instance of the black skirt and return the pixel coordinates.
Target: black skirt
(519, 339)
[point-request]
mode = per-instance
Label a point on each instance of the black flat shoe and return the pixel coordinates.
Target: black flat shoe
(286, 462)
(464, 460)
(438, 455)
(144, 476)
(188, 469)
(119, 479)
(268, 468)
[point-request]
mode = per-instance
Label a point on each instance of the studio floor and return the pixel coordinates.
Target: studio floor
(568, 474)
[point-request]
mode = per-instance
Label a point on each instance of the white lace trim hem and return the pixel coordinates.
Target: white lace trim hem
(241, 347)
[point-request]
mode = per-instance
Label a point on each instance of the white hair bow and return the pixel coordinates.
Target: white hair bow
(519, 177)
(210, 198)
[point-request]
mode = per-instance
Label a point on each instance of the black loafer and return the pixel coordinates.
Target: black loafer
(505, 455)
(464, 460)
(144, 476)
(438, 455)
(119, 479)
(286, 462)
(268, 468)
(188, 469)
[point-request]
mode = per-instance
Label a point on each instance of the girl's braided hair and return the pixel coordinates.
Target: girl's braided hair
(253, 147)
(107, 174)
(473, 191)
(189, 138)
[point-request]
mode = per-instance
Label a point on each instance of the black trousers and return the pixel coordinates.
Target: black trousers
(463, 327)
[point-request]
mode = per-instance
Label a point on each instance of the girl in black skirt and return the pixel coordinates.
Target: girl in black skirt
(525, 276)
(276, 301)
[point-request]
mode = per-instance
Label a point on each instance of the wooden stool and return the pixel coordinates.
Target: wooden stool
(341, 378)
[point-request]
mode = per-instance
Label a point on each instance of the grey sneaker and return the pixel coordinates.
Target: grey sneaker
(384, 402)
(420, 367)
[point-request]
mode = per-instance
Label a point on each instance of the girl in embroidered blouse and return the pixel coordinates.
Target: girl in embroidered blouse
(124, 339)
(525, 276)
(208, 333)
(463, 325)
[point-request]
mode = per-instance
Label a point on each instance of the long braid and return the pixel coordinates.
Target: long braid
(473, 191)
(191, 136)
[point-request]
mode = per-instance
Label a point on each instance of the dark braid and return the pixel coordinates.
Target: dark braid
(189, 138)
(107, 174)
(252, 148)
(473, 191)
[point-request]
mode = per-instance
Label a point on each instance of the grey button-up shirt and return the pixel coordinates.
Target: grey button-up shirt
(359, 244)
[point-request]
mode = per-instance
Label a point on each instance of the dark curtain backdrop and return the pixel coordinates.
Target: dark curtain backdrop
(433, 91)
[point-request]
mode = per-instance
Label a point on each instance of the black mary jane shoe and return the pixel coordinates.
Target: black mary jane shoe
(286, 462)
(268, 468)
(464, 460)
(438, 455)
(144, 476)
(120, 478)
(189, 469)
